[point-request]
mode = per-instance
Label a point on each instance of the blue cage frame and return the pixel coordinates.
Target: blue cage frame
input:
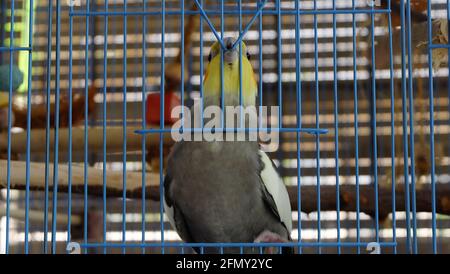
(239, 12)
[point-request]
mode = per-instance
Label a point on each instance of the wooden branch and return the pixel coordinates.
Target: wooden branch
(347, 193)
(347, 197)
(114, 140)
(114, 179)
(38, 216)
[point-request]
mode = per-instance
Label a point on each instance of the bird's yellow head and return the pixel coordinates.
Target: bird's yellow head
(231, 77)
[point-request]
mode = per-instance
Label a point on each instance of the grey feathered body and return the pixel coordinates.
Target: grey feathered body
(226, 202)
(214, 191)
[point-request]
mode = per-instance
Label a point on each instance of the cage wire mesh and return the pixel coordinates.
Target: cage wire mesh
(80, 78)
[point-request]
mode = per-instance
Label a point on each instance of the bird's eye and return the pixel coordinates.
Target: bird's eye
(209, 57)
(248, 56)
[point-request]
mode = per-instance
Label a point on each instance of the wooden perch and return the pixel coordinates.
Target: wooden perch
(114, 180)
(347, 195)
(114, 140)
(38, 216)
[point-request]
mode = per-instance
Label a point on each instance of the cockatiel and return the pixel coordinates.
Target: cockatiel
(226, 191)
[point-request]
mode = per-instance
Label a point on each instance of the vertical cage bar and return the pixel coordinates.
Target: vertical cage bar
(29, 74)
(374, 122)
(448, 52)
(260, 73)
(56, 138)
(201, 67)
(411, 125)
(8, 168)
(222, 95)
(317, 137)
(69, 179)
(241, 121)
(280, 65)
(124, 125)
(431, 102)
(161, 121)
(356, 125)
(182, 62)
(336, 131)
(260, 66)
(405, 128)
(298, 89)
(47, 127)
(448, 64)
(448, 67)
(144, 122)
(182, 67)
(104, 117)
(11, 61)
(85, 147)
(392, 102)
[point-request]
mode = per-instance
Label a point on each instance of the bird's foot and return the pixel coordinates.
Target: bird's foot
(270, 237)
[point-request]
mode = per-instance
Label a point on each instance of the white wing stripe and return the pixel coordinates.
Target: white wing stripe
(275, 186)
(169, 213)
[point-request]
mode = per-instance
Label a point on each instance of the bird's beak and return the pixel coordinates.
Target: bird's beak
(230, 55)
